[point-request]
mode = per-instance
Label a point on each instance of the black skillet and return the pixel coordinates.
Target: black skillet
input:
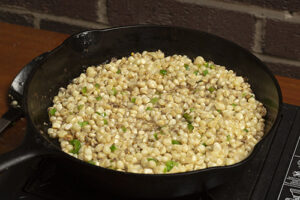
(97, 46)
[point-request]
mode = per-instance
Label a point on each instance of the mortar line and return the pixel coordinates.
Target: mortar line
(273, 59)
(249, 9)
(258, 36)
(61, 19)
(101, 11)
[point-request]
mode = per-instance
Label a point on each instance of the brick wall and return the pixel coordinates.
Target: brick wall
(268, 28)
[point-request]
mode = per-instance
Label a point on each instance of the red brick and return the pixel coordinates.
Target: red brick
(86, 10)
(282, 39)
(290, 5)
(25, 20)
(234, 26)
(61, 27)
(285, 70)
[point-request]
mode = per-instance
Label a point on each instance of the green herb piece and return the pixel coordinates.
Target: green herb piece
(211, 89)
(124, 129)
(192, 109)
(133, 100)
(196, 72)
(190, 127)
(113, 148)
(206, 64)
(97, 85)
(155, 136)
(114, 91)
(234, 104)
(176, 142)
(186, 66)
(92, 162)
(246, 130)
(154, 100)
(84, 90)
(163, 72)
(187, 117)
(101, 114)
(219, 111)
(76, 146)
(98, 98)
(98, 113)
(204, 144)
(148, 108)
(105, 121)
(199, 81)
(52, 112)
(169, 165)
(84, 123)
(205, 72)
(119, 71)
(153, 159)
(228, 137)
(244, 94)
(79, 107)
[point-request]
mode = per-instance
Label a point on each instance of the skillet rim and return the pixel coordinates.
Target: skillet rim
(188, 173)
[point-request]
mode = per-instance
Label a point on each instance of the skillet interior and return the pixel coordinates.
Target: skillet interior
(98, 46)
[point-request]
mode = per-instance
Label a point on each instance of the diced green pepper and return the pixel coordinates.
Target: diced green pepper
(76, 146)
(52, 112)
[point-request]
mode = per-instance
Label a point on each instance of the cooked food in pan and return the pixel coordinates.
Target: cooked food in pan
(148, 113)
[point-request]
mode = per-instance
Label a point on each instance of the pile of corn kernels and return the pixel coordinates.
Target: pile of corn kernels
(152, 114)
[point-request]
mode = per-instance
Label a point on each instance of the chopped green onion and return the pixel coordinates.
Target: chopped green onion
(52, 112)
(246, 130)
(92, 162)
(169, 165)
(79, 107)
(219, 111)
(124, 129)
(176, 142)
(84, 90)
(190, 127)
(244, 94)
(101, 114)
(154, 100)
(204, 144)
(206, 64)
(98, 98)
(84, 123)
(199, 81)
(187, 117)
(148, 108)
(76, 146)
(163, 72)
(115, 92)
(211, 89)
(133, 100)
(205, 72)
(105, 121)
(234, 104)
(228, 137)
(97, 85)
(192, 109)
(153, 159)
(113, 148)
(119, 71)
(155, 136)
(196, 72)
(186, 66)
(98, 113)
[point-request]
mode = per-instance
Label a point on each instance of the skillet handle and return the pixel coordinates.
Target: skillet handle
(30, 148)
(13, 114)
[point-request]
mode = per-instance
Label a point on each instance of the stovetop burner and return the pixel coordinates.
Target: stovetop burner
(274, 173)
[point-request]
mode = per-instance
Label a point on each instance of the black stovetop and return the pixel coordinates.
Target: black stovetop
(274, 173)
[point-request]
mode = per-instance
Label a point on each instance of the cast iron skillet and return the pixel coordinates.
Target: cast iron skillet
(97, 46)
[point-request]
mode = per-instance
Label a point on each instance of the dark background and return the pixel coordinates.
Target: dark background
(268, 28)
